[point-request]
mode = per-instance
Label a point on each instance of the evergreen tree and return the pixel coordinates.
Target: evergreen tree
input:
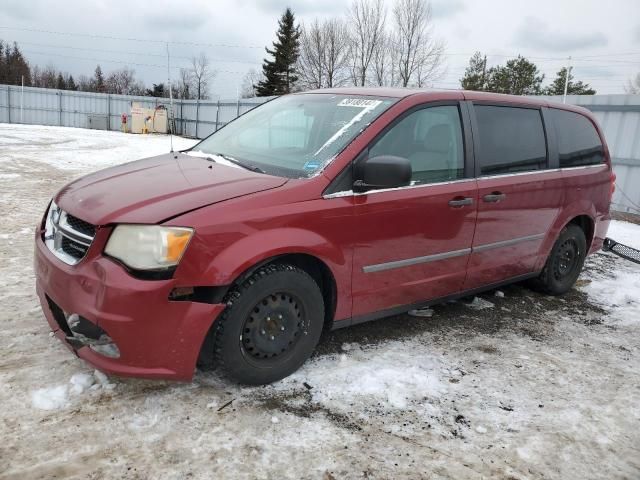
(71, 84)
(518, 77)
(475, 76)
(14, 67)
(3, 64)
(60, 83)
(280, 74)
(573, 88)
(98, 80)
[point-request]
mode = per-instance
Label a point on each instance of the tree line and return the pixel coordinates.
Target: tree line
(192, 82)
(518, 76)
(367, 46)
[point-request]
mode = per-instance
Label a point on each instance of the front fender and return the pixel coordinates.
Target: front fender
(238, 257)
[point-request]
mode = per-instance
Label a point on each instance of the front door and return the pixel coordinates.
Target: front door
(413, 243)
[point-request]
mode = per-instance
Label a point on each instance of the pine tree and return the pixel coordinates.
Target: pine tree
(475, 75)
(518, 77)
(98, 80)
(15, 67)
(280, 74)
(71, 84)
(573, 88)
(60, 83)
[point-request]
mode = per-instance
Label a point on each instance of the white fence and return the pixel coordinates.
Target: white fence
(619, 116)
(41, 106)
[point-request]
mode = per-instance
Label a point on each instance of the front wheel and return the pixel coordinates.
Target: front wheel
(564, 263)
(271, 325)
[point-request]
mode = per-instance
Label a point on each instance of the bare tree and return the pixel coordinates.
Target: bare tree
(420, 54)
(120, 81)
(202, 75)
(184, 85)
(323, 57)
(312, 56)
(382, 62)
(366, 24)
(336, 57)
(633, 86)
(249, 82)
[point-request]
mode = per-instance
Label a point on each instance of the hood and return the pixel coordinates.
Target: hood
(158, 188)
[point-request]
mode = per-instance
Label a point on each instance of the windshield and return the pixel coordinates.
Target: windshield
(296, 135)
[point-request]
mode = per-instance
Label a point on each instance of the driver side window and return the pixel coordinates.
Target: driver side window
(431, 138)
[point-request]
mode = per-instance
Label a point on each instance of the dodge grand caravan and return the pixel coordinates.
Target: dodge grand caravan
(314, 210)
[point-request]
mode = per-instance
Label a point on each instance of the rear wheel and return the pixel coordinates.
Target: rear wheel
(271, 325)
(564, 263)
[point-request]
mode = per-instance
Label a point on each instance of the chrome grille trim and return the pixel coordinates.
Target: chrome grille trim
(58, 229)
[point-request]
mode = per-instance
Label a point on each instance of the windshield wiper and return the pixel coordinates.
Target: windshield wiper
(248, 166)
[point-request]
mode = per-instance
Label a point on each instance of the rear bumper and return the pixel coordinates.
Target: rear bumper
(156, 337)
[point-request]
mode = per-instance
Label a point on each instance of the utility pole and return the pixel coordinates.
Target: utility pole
(170, 98)
(566, 80)
(484, 73)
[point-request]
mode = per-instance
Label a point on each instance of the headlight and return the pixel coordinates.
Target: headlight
(148, 247)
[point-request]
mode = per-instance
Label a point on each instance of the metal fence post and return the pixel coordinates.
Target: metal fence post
(217, 114)
(60, 108)
(181, 118)
(238, 108)
(109, 112)
(9, 103)
(197, 115)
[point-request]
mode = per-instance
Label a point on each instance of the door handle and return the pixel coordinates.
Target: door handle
(458, 202)
(494, 197)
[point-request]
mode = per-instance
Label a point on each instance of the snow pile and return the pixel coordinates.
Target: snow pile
(51, 398)
(619, 289)
(59, 396)
(371, 375)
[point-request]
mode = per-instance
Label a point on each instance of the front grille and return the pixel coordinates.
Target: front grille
(68, 237)
(81, 226)
(71, 247)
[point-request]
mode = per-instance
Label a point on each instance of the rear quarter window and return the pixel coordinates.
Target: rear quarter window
(511, 139)
(578, 141)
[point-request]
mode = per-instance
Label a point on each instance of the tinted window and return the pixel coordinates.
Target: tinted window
(578, 140)
(511, 139)
(431, 138)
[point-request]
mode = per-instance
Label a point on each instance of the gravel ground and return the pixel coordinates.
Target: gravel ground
(510, 385)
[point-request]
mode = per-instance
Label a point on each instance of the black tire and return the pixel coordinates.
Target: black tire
(565, 262)
(270, 327)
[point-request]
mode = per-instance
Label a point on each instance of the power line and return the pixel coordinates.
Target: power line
(126, 52)
(97, 60)
(130, 39)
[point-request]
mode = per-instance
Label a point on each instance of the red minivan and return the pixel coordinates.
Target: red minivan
(318, 210)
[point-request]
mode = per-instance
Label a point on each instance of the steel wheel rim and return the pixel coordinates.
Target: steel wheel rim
(566, 259)
(273, 328)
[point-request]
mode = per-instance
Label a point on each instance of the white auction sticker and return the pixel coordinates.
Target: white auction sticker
(359, 102)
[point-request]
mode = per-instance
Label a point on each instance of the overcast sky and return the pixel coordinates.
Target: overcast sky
(603, 37)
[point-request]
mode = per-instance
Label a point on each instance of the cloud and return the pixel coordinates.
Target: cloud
(446, 8)
(19, 9)
(636, 34)
(300, 7)
(178, 20)
(533, 33)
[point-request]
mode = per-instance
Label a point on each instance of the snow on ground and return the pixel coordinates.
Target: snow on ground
(513, 385)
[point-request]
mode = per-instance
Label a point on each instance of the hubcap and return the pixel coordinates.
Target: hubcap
(273, 327)
(566, 259)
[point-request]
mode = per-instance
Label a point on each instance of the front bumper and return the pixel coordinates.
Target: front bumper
(156, 337)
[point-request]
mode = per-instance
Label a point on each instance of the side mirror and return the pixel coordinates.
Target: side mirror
(384, 171)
